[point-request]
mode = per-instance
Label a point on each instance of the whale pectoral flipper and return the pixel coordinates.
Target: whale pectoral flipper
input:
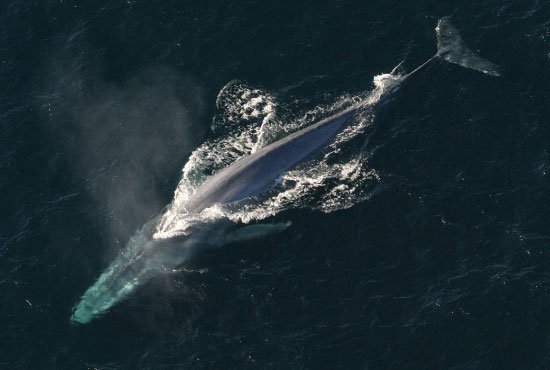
(251, 232)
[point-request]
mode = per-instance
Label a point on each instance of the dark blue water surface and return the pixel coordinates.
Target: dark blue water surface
(445, 266)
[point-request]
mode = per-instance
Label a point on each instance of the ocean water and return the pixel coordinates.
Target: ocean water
(419, 240)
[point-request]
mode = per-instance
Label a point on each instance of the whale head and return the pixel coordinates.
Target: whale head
(143, 258)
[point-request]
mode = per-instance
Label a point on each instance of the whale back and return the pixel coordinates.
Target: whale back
(257, 172)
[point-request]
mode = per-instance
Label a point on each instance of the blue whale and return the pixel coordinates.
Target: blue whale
(146, 257)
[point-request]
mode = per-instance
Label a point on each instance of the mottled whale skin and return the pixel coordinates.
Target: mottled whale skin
(146, 256)
(256, 173)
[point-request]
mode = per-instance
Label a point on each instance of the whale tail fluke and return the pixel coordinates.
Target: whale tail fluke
(452, 48)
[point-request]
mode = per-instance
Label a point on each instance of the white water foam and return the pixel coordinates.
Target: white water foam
(249, 119)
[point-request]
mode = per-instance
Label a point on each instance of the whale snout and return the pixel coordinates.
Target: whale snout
(136, 265)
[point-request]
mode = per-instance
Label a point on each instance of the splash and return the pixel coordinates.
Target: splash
(251, 118)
